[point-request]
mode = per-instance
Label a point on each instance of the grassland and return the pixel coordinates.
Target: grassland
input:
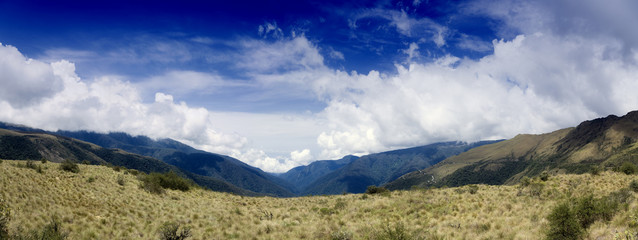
(100, 203)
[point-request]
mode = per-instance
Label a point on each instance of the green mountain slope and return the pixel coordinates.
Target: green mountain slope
(603, 142)
(380, 168)
(192, 160)
(183, 156)
(35, 146)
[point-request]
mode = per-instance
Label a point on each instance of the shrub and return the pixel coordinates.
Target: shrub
(595, 170)
(43, 160)
(544, 176)
(472, 189)
(525, 181)
(157, 182)
(120, 180)
(5, 217)
(91, 179)
(376, 190)
(70, 166)
(341, 235)
(634, 186)
(398, 232)
(628, 168)
(52, 231)
(587, 210)
(170, 231)
(563, 223)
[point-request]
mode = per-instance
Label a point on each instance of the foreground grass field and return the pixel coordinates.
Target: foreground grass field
(101, 203)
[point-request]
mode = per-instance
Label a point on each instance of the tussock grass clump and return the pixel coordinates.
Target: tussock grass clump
(633, 185)
(171, 231)
(70, 166)
(5, 217)
(52, 231)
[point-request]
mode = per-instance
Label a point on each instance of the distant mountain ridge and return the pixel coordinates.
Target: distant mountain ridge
(603, 142)
(302, 176)
(380, 168)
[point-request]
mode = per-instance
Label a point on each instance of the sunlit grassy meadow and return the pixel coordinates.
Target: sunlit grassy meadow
(101, 203)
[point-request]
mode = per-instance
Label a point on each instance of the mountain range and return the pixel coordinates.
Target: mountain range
(601, 143)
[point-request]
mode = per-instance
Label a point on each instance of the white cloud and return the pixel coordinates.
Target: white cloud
(302, 156)
(405, 24)
(270, 29)
(412, 51)
(280, 56)
(25, 81)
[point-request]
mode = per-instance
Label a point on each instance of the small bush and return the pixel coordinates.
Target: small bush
(595, 170)
(634, 186)
(69, 166)
(133, 172)
(563, 223)
(525, 181)
(31, 164)
(43, 160)
(587, 210)
(120, 180)
(628, 168)
(544, 176)
(52, 231)
(472, 189)
(398, 232)
(170, 231)
(91, 179)
(157, 182)
(376, 190)
(341, 235)
(5, 217)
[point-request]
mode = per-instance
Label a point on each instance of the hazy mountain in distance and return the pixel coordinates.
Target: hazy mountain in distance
(380, 168)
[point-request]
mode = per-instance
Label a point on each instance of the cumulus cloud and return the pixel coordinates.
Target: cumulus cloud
(25, 81)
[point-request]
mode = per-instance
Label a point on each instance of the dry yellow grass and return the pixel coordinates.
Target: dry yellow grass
(104, 209)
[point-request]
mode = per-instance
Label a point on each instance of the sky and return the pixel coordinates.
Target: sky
(278, 84)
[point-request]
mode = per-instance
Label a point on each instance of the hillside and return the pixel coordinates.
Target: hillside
(101, 208)
(35, 146)
(302, 176)
(183, 156)
(380, 168)
(190, 159)
(600, 143)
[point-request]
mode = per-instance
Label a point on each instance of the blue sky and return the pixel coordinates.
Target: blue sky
(279, 84)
